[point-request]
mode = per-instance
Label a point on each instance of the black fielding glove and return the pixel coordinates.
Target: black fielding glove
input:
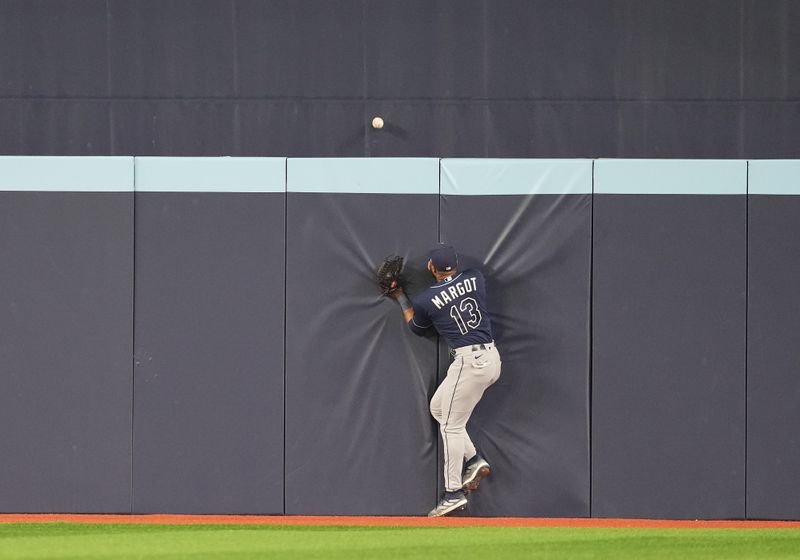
(388, 275)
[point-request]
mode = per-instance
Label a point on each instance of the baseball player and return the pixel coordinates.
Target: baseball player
(456, 307)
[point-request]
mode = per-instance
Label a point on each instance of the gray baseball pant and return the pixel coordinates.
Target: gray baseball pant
(470, 374)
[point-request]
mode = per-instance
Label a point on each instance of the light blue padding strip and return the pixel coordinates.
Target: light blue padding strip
(670, 176)
(210, 174)
(516, 176)
(66, 173)
(364, 175)
(774, 176)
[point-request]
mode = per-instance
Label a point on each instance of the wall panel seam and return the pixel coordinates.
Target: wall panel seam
(285, 305)
(746, 321)
(438, 342)
(591, 330)
(133, 335)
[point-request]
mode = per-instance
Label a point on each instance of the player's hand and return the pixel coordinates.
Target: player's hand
(395, 292)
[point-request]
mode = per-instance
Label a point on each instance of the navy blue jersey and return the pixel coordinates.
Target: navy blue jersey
(456, 308)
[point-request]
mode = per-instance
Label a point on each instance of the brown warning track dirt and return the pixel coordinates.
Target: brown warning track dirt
(397, 521)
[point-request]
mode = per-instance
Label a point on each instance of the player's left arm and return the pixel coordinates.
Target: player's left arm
(416, 318)
(405, 303)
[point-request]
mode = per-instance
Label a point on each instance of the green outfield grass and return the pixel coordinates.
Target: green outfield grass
(71, 540)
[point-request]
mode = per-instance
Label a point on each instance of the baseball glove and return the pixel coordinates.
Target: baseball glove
(388, 274)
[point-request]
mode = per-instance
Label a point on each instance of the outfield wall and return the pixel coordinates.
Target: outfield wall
(204, 335)
(452, 78)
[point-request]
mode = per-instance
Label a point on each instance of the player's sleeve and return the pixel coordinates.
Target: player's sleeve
(481, 281)
(421, 321)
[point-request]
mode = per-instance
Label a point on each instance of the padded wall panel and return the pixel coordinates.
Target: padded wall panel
(691, 62)
(418, 128)
(425, 49)
(770, 129)
(668, 375)
(533, 245)
(299, 49)
(771, 49)
(523, 129)
(555, 129)
(773, 386)
(549, 49)
(62, 127)
(357, 380)
(181, 48)
(330, 128)
(53, 49)
(613, 49)
(239, 128)
(682, 130)
(66, 290)
(173, 127)
(208, 414)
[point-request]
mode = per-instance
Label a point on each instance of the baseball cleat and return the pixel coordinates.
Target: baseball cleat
(476, 469)
(450, 502)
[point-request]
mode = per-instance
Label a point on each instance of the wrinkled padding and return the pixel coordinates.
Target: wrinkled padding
(359, 437)
(668, 318)
(532, 425)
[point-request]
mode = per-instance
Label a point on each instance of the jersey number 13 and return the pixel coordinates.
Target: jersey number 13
(467, 308)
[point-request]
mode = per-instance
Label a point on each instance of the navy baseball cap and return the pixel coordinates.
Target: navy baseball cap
(444, 257)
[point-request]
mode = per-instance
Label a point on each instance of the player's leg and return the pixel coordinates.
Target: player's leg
(484, 370)
(454, 498)
(440, 403)
(469, 447)
(452, 405)
(454, 443)
(436, 402)
(466, 382)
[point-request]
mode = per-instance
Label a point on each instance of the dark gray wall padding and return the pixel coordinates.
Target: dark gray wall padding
(197, 127)
(66, 288)
(189, 51)
(466, 78)
(602, 128)
(359, 437)
(54, 50)
(532, 424)
(668, 374)
(174, 127)
(773, 355)
(209, 353)
(69, 127)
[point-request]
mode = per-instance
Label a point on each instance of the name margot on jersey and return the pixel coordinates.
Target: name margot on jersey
(452, 292)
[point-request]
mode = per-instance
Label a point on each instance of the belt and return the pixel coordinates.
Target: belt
(471, 348)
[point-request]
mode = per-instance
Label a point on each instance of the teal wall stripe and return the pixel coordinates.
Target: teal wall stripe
(364, 175)
(670, 176)
(210, 174)
(398, 175)
(777, 177)
(66, 173)
(516, 176)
